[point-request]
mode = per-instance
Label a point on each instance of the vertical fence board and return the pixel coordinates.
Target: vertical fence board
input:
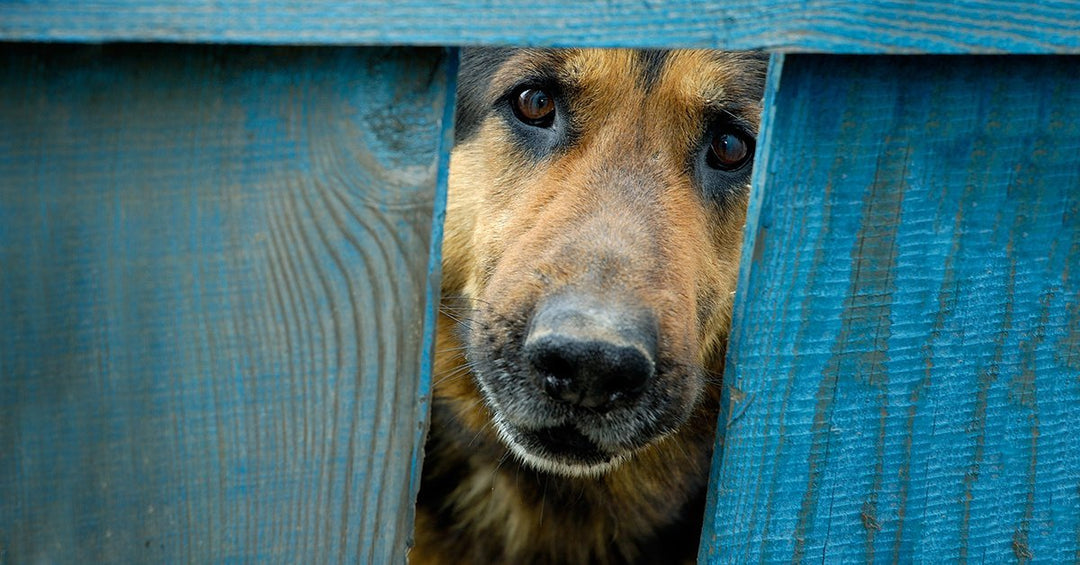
(214, 275)
(904, 373)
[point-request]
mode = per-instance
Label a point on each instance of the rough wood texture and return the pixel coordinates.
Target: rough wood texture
(852, 26)
(214, 274)
(904, 383)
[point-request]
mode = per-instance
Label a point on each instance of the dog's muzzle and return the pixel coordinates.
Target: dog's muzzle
(591, 361)
(590, 354)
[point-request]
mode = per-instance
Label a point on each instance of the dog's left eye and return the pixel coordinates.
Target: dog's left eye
(534, 107)
(729, 150)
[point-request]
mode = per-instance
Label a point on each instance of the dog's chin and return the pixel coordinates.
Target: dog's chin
(560, 450)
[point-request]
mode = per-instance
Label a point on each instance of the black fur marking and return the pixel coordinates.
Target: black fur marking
(652, 65)
(678, 541)
(439, 481)
(476, 69)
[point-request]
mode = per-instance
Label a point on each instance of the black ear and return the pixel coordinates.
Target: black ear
(478, 64)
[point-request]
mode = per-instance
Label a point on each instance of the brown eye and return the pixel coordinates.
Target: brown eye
(534, 107)
(729, 151)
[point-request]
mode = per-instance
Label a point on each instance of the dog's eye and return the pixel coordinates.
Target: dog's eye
(534, 107)
(729, 150)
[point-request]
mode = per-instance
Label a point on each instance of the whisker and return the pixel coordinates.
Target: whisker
(457, 373)
(482, 429)
(505, 456)
(456, 317)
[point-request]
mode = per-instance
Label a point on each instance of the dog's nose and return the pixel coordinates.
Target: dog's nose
(592, 354)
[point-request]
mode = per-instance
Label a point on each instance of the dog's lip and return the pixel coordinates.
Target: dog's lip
(564, 444)
(558, 439)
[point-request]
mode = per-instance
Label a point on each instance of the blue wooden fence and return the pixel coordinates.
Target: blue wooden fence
(219, 266)
(904, 378)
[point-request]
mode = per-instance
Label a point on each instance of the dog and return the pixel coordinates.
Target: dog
(592, 239)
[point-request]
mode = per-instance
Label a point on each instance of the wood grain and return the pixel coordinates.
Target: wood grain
(215, 276)
(904, 372)
(840, 26)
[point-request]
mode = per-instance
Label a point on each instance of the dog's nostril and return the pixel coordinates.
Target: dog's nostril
(554, 370)
(592, 374)
(556, 387)
(591, 357)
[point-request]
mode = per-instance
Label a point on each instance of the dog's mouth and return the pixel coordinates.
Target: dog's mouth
(563, 450)
(564, 443)
(552, 437)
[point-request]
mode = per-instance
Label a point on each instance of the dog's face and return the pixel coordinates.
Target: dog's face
(596, 211)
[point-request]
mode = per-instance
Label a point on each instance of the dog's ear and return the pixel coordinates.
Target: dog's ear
(478, 64)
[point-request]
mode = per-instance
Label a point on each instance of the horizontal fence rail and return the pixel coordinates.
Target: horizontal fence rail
(837, 26)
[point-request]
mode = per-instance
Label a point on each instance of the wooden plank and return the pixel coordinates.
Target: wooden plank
(904, 370)
(871, 26)
(215, 276)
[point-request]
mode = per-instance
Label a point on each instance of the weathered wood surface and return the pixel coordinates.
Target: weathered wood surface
(852, 26)
(214, 274)
(904, 376)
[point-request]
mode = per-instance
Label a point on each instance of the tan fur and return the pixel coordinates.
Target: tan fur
(514, 228)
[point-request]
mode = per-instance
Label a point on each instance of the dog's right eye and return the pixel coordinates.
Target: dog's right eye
(535, 107)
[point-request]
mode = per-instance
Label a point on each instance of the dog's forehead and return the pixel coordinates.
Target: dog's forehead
(693, 75)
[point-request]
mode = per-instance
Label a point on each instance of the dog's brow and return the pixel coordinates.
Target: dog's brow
(528, 65)
(718, 109)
